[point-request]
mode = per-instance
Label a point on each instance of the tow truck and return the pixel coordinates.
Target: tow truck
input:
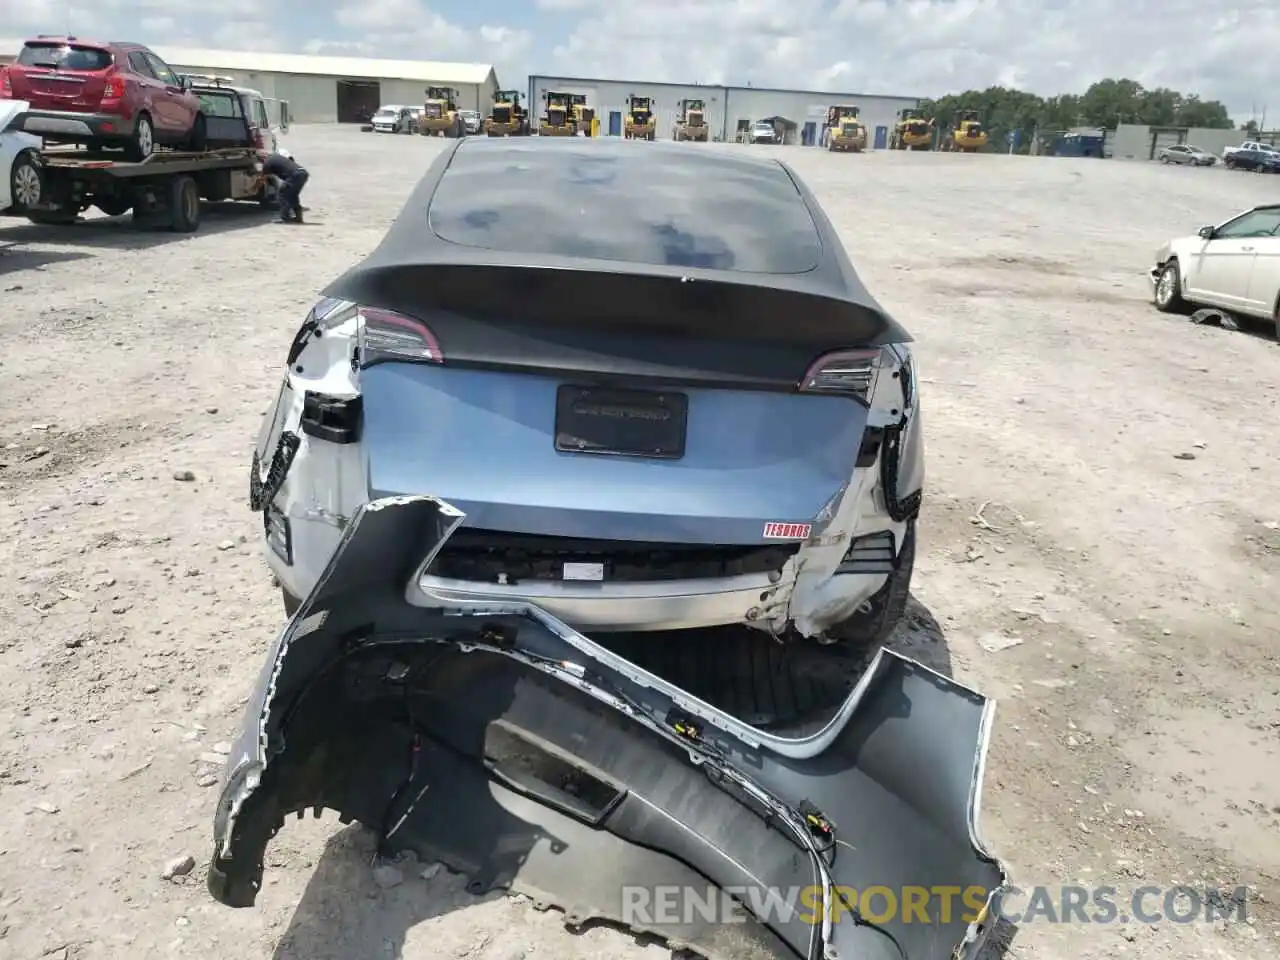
(162, 192)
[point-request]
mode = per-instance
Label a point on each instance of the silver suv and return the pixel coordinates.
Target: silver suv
(267, 117)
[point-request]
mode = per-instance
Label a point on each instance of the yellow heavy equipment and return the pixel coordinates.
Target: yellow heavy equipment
(558, 119)
(691, 123)
(844, 130)
(507, 118)
(440, 117)
(912, 131)
(967, 134)
(641, 124)
(585, 116)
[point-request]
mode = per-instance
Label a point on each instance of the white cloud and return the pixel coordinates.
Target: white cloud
(918, 47)
(410, 29)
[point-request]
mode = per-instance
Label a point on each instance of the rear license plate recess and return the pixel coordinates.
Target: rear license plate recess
(621, 423)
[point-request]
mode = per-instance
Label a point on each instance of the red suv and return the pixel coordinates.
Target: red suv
(104, 94)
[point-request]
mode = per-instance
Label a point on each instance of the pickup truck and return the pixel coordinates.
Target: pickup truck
(1252, 155)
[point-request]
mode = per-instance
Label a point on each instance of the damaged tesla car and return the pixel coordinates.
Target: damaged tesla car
(651, 379)
(518, 752)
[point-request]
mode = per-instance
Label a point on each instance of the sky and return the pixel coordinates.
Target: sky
(1222, 50)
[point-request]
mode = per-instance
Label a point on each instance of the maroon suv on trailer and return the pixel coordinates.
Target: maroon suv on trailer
(106, 94)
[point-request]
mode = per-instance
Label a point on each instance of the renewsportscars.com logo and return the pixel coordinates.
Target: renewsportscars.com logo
(670, 905)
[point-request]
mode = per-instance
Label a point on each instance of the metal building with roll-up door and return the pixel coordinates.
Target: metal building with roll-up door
(322, 89)
(799, 114)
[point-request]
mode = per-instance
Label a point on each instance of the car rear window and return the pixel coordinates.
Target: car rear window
(64, 56)
(224, 105)
(623, 202)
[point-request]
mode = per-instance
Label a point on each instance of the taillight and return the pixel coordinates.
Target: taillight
(6, 88)
(848, 373)
(387, 335)
(115, 88)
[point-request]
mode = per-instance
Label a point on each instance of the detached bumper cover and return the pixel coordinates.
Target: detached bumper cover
(524, 755)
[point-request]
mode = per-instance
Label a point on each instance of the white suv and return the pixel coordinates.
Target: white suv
(762, 131)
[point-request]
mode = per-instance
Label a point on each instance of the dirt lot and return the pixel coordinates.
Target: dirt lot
(1103, 488)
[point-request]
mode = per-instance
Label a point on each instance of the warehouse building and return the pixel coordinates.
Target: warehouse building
(327, 89)
(799, 114)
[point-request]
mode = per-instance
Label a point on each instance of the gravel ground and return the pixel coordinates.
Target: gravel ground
(1098, 492)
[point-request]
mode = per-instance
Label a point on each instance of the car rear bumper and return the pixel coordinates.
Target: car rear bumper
(639, 607)
(458, 734)
(74, 126)
(55, 124)
(604, 607)
(673, 605)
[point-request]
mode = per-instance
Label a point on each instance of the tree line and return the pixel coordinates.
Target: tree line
(1105, 104)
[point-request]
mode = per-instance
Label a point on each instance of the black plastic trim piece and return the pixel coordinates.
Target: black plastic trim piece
(872, 553)
(870, 449)
(330, 418)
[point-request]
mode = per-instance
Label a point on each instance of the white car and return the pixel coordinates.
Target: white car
(393, 118)
(1234, 266)
(762, 131)
(20, 185)
(1187, 155)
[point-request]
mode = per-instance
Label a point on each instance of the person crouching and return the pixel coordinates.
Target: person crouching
(292, 177)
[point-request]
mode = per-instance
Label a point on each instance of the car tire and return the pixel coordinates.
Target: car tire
(1169, 299)
(198, 139)
(26, 185)
(291, 603)
(184, 205)
(142, 142)
(873, 623)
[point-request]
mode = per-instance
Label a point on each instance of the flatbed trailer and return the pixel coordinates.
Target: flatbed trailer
(163, 191)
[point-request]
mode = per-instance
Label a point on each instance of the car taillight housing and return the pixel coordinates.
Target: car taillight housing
(6, 88)
(846, 373)
(384, 336)
(115, 88)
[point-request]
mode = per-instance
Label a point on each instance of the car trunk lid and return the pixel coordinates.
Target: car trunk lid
(368, 697)
(570, 455)
(625, 406)
(61, 76)
(225, 122)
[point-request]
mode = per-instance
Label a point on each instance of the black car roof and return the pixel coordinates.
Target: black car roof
(626, 219)
(626, 201)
